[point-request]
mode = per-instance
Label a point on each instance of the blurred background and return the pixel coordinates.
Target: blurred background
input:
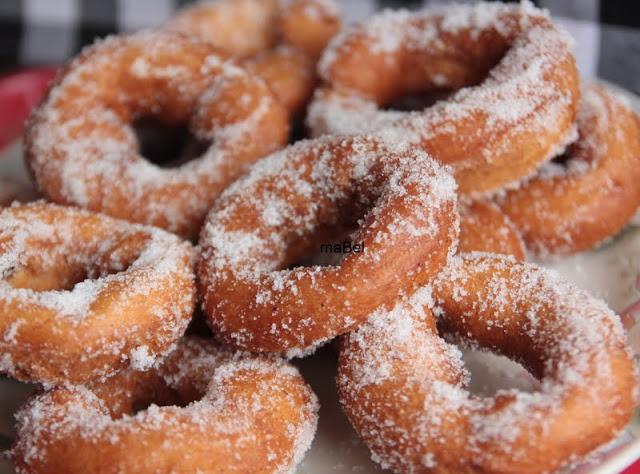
(46, 32)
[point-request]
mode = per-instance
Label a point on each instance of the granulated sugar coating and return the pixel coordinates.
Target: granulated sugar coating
(582, 202)
(448, 145)
(82, 148)
(404, 387)
(517, 102)
(292, 202)
(83, 295)
(204, 409)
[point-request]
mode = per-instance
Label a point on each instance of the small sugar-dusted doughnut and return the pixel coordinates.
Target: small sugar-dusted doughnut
(517, 80)
(81, 144)
(589, 196)
(295, 203)
(280, 40)
(203, 410)
(83, 295)
(404, 387)
(485, 228)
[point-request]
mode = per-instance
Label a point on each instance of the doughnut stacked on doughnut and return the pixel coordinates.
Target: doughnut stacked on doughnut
(279, 40)
(209, 410)
(593, 193)
(515, 110)
(95, 308)
(82, 149)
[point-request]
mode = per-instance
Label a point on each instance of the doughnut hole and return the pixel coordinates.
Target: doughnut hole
(416, 73)
(417, 101)
(183, 378)
(490, 372)
(137, 391)
(44, 269)
(324, 253)
(167, 145)
(562, 159)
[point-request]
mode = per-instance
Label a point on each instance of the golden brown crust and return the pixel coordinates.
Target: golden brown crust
(83, 295)
(218, 412)
(578, 205)
(82, 150)
(293, 202)
(280, 40)
(519, 108)
(485, 228)
(403, 387)
(289, 73)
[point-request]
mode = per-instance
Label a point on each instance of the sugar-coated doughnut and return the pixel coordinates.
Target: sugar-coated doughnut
(83, 295)
(203, 410)
(485, 228)
(575, 205)
(515, 110)
(280, 40)
(82, 149)
(298, 200)
(404, 387)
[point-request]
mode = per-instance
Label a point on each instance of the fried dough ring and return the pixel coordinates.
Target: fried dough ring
(280, 40)
(82, 149)
(288, 206)
(218, 412)
(495, 133)
(83, 295)
(485, 228)
(580, 204)
(403, 386)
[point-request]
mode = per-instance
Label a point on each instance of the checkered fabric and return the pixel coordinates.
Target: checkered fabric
(35, 32)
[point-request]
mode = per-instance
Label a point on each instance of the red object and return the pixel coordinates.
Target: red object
(19, 93)
(633, 469)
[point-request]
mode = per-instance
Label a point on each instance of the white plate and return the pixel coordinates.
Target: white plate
(608, 273)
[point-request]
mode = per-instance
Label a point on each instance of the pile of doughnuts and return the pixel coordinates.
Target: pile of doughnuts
(443, 149)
